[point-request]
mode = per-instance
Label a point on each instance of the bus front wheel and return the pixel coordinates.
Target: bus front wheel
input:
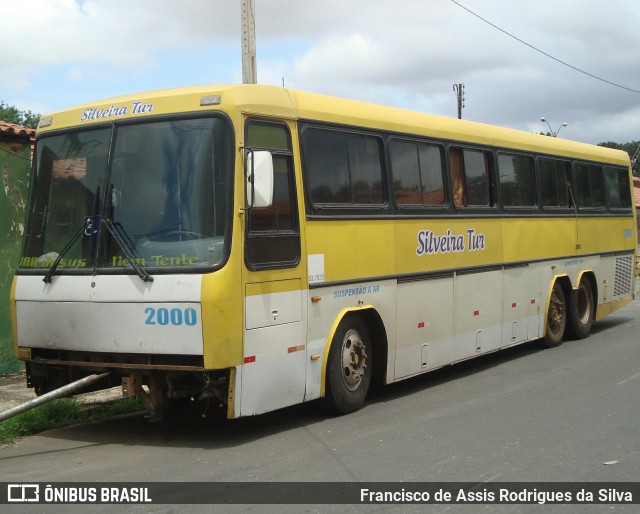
(349, 366)
(556, 317)
(582, 310)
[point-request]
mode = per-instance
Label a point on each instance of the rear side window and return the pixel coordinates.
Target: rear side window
(342, 168)
(618, 188)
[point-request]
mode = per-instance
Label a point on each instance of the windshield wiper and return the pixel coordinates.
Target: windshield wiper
(89, 228)
(86, 228)
(126, 245)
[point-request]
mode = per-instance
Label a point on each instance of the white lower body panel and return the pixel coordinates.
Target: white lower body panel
(117, 314)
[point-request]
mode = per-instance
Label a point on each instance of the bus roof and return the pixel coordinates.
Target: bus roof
(287, 103)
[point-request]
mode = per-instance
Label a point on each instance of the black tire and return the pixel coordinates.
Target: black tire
(556, 317)
(349, 367)
(582, 309)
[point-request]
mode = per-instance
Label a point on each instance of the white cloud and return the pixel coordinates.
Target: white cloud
(75, 74)
(120, 33)
(407, 53)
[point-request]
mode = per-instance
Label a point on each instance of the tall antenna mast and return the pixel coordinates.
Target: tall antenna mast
(249, 73)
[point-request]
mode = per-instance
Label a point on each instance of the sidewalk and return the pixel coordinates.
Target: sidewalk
(14, 392)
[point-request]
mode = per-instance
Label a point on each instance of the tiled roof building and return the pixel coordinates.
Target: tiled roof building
(11, 129)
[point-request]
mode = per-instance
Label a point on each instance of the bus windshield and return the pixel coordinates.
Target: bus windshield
(161, 188)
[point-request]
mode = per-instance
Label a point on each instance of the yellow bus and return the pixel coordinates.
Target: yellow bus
(260, 247)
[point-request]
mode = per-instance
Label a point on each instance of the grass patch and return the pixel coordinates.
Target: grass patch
(61, 413)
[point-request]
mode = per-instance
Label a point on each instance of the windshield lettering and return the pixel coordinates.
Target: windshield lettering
(46, 261)
(157, 260)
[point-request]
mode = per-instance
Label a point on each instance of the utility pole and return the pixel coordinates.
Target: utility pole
(249, 73)
(458, 89)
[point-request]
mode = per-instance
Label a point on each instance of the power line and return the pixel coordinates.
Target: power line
(545, 53)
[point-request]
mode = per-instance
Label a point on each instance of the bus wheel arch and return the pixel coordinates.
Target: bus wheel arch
(556, 312)
(379, 344)
(355, 355)
(582, 306)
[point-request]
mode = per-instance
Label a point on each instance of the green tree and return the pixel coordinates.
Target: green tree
(12, 114)
(632, 148)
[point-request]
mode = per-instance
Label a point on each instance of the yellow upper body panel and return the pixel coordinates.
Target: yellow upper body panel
(287, 103)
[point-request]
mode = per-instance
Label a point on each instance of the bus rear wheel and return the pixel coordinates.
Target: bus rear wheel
(556, 317)
(581, 310)
(349, 366)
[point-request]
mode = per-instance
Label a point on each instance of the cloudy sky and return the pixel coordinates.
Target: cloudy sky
(576, 61)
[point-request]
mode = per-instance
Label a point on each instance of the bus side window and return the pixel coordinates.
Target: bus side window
(417, 174)
(272, 234)
(457, 178)
(589, 186)
(471, 177)
(618, 188)
(555, 181)
(343, 169)
(515, 173)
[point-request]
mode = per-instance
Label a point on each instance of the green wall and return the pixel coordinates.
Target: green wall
(15, 164)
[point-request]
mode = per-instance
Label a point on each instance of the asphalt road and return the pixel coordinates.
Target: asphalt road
(568, 414)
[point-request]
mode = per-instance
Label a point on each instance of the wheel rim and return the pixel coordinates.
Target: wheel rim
(583, 305)
(556, 313)
(354, 360)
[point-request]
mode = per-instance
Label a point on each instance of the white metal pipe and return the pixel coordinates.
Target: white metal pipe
(61, 392)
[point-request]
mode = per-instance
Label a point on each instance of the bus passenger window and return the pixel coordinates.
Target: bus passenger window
(554, 183)
(417, 174)
(589, 186)
(471, 177)
(618, 188)
(343, 169)
(516, 180)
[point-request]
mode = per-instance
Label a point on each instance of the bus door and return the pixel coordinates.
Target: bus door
(273, 373)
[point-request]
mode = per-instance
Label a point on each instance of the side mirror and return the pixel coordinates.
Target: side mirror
(259, 178)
